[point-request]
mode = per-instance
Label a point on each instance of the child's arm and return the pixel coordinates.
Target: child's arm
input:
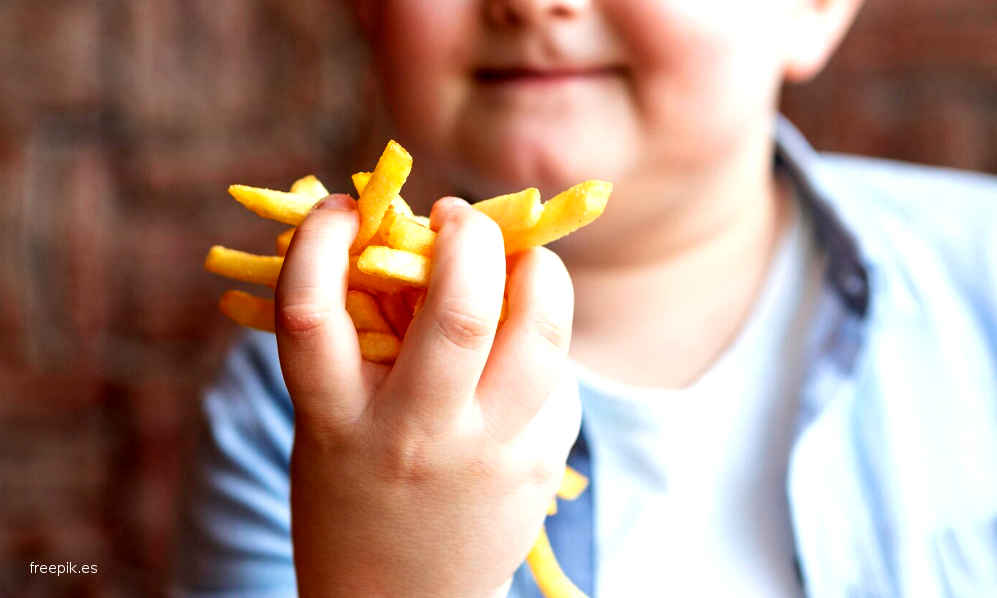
(431, 478)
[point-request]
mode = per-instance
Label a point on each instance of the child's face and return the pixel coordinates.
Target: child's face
(503, 94)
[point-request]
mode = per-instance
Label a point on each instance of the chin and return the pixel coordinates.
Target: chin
(551, 161)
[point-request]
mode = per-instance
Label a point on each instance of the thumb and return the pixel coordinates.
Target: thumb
(316, 340)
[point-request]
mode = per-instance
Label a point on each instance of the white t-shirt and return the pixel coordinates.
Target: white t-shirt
(689, 484)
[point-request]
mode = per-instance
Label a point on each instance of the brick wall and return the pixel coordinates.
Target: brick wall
(121, 121)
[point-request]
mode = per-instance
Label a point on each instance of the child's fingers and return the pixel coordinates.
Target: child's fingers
(319, 352)
(529, 358)
(448, 341)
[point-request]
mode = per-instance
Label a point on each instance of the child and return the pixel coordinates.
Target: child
(787, 363)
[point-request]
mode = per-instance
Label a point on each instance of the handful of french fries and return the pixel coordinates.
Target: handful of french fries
(390, 266)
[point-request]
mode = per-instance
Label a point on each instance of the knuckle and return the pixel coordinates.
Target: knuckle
(547, 473)
(463, 328)
(301, 318)
(556, 333)
(408, 460)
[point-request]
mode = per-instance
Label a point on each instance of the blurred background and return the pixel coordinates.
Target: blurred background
(121, 124)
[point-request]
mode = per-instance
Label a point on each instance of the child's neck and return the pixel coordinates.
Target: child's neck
(660, 311)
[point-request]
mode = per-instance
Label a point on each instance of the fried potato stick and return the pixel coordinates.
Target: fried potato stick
(406, 234)
(563, 214)
(385, 182)
(248, 310)
(284, 241)
(400, 205)
(403, 266)
(310, 186)
(247, 267)
(365, 313)
(548, 574)
(513, 212)
(289, 208)
(572, 484)
(379, 347)
(397, 311)
(371, 282)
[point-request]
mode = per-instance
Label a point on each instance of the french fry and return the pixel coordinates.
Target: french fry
(371, 282)
(365, 313)
(310, 186)
(284, 241)
(407, 234)
(548, 574)
(379, 347)
(247, 267)
(385, 182)
(289, 208)
(572, 484)
(563, 214)
(397, 311)
(513, 212)
(421, 220)
(395, 264)
(400, 205)
(248, 310)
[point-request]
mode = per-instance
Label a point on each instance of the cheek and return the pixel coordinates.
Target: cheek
(420, 49)
(702, 71)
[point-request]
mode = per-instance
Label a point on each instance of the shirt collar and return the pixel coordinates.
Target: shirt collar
(846, 273)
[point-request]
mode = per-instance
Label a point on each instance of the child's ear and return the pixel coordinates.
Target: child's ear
(817, 28)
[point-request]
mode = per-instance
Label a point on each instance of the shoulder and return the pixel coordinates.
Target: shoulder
(951, 209)
(934, 228)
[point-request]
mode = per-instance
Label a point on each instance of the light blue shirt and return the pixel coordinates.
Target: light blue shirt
(892, 477)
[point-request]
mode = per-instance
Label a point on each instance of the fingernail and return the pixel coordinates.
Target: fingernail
(338, 202)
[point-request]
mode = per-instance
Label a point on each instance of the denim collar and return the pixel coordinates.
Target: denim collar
(846, 274)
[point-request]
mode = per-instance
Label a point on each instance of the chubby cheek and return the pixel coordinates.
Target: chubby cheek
(420, 50)
(702, 72)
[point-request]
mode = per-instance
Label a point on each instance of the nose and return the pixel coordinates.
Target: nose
(531, 12)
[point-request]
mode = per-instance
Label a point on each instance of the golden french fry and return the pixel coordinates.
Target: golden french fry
(563, 214)
(310, 186)
(397, 310)
(385, 182)
(410, 268)
(379, 347)
(400, 205)
(407, 234)
(371, 282)
(421, 220)
(572, 484)
(513, 212)
(247, 267)
(548, 574)
(284, 241)
(289, 208)
(248, 310)
(365, 313)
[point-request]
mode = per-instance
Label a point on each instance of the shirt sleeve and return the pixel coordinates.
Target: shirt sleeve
(235, 536)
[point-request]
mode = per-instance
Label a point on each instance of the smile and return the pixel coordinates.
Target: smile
(546, 76)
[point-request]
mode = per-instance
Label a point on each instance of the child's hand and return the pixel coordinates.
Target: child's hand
(431, 478)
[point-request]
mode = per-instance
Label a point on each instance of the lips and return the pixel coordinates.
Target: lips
(527, 75)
